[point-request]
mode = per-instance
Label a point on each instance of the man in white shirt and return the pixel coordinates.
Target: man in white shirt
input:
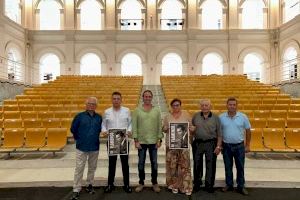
(117, 117)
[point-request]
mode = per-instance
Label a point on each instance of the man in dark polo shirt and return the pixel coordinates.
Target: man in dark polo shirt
(207, 139)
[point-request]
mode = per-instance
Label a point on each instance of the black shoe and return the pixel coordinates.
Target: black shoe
(209, 189)
(109, 188)
(243, 191)
(127, 189)
(227, 188)
(196, 188)
(90, 189)
(75, 196)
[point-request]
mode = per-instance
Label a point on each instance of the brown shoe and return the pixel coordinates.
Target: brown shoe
(243, 191)
(156, 188)
(227, 188)
(139, 188)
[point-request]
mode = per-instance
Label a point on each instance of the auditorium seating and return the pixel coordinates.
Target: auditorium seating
(273, 115)
(43, 114)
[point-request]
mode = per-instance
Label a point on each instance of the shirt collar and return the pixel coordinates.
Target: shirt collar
(209, 115)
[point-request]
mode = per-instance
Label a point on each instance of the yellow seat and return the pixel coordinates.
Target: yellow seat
(61, 114)
(293, 114)
(41, 108)
(265, 107)
(261, 113)
(280, 107)
(274, 139)
(34, 139)
(11, 115)
(12, 139)
(10, 107)
(32, 123)
(276, 123)
(51, 123)
(26, 107)
(248, 113)
(293, 123)
(28, 114)
(56, 139)
(278, 114)
(258, 122)
(256, 143)
(12, 123)
(294, 106)
(292, 138)
(45, 114)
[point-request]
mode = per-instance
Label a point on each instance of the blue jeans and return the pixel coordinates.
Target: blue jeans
(153, 159)
(236, 151)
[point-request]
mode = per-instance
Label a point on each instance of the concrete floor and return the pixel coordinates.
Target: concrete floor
(44, 169)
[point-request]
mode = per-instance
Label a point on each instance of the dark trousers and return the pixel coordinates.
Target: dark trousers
(112, 169)
(153, 159)
(236, 151)
(206, 148)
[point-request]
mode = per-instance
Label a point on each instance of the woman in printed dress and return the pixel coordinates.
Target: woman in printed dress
(178, 168)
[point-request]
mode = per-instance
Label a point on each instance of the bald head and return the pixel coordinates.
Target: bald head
(205, 105)
(91, 103)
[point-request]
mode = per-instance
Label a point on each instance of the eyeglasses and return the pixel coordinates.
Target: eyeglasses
(91, 104)
(175, 105)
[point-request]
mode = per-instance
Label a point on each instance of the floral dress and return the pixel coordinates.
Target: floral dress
(178, 168)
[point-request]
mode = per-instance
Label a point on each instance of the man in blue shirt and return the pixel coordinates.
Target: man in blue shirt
(234, 125)
(86, 127)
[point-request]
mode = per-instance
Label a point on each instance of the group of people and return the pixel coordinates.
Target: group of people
(208, 134)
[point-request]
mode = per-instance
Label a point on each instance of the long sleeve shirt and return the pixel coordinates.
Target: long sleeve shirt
(146, 125)
(86, 129)
(117, 119)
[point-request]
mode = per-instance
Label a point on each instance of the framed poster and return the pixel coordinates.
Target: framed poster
(179, 135)
(117, 142)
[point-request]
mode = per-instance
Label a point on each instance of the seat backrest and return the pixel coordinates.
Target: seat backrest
(13, 138)
(292, 137)
(56, 137)
(35, 137)
(274, 138)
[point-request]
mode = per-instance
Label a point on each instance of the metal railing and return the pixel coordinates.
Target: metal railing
(172, 24)
(131, 24)
(13, 71)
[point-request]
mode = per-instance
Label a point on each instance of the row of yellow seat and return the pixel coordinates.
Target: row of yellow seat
(274, 116)
(33, 139)
(249, 106)
(275, 139)
(261, 113)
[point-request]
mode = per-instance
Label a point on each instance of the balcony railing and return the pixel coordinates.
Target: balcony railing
(172, 24)
(131, 24)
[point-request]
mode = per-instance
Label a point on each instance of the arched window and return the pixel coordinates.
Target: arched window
(49, 15)
(14, 65)
(212, 64)
(13, 10)
(291, 9)
(252, 66)
(131, 15)
(90, 64)
(171, 64)
(289, 70)
(212, 14)
(131, 65)
(171, 15)
(90, 15)
(253, 14)
(49, 66)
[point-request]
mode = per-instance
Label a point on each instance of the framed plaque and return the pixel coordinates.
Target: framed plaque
(179, 135)
(117, 142)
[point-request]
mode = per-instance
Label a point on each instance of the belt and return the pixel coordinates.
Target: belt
(234, 144)
(209, 140)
